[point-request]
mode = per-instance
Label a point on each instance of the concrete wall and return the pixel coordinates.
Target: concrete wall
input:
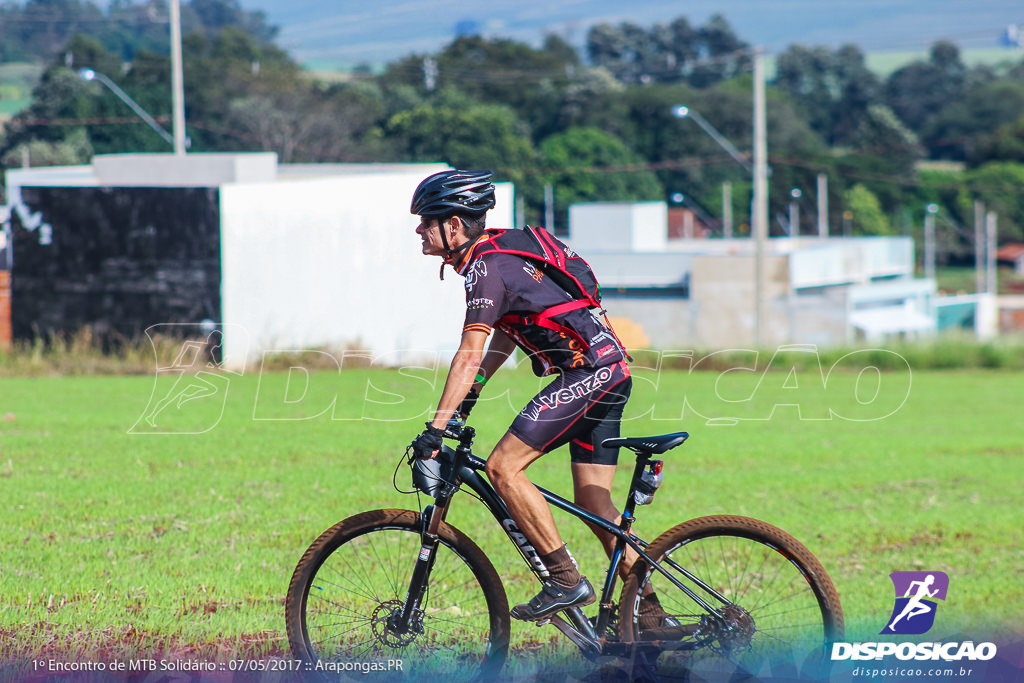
(819, 319)
(191, 170)
(672, 323)
(117, 260)
(811, 287)
(309, 256)
(819, 263)
(628, 269)
(618, 226)
(652, 321)
(308, 264)
(722, 290)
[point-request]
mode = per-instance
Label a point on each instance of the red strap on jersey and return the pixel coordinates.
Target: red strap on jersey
(543, 319)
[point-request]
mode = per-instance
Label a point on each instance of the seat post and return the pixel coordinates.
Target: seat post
(642, 458)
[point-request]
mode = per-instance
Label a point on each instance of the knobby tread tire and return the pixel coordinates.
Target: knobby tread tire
(389, 519)
(744, 527)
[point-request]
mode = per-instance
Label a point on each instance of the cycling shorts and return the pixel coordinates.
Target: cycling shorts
(580, 407)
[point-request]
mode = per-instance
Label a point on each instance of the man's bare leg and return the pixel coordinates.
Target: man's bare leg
(506, 469)
(592, 486)
(565, 587)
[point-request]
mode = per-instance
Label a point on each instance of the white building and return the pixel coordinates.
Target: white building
(701, 292)
(282, 257)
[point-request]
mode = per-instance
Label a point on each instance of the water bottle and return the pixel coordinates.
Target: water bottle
(650, 480)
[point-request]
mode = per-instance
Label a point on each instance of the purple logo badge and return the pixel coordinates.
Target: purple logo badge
(917, 594)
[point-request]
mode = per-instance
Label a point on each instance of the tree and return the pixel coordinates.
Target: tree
(723, 54)
(40, 29)
(215, 15)
(868, 217)
(959, 131)
(608, 46)
(1005, 143)
(882, 133)
(833, 90)
(998, 185)
(62, 101)
(669, 54)
(493, 70)
(589, 165)
(805, 74)
(510, 73)
(464, 135)
(69, 152)
(921, 89)
(235, 66)
(590, 89)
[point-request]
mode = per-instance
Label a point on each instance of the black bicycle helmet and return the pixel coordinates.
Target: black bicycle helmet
(450, 192)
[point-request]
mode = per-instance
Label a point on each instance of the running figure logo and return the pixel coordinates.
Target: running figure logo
(916, 596)
(191, 384)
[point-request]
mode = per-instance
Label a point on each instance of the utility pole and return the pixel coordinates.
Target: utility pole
(549, 208)
(177, 79)
(822, 205)
(929, 241)
(429, 74)
(794, 213)
(990, 252)
(727, 210)
(760, 213)
(979, 246)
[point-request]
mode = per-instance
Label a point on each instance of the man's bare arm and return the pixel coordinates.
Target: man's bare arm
(497, 353)
(461, 376)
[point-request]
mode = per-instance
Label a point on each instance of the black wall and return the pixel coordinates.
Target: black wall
(119, 260)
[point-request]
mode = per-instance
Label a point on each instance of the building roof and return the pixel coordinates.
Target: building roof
(1010, 252)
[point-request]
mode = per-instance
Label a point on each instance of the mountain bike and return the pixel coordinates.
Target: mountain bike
(401, 587)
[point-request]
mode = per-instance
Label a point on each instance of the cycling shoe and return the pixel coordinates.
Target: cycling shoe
(554, 598)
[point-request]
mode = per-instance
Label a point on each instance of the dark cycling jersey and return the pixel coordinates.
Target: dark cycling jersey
(498, 284)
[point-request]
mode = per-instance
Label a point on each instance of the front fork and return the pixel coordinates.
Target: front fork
(410, 617)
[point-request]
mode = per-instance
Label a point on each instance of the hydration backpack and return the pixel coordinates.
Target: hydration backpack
(555, 259)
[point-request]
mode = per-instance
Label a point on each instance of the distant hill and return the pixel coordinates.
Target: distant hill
(346, 33)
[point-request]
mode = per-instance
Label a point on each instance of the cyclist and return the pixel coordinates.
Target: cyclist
(582, 406)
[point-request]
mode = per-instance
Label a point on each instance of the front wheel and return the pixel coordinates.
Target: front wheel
(354, 578)
(775, 613)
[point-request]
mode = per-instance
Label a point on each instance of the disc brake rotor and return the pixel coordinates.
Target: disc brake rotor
(386, 635)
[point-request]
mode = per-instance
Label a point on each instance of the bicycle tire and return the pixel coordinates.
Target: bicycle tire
(357, 573)
(786, 614)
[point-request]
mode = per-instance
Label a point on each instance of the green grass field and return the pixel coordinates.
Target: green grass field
(116, 543)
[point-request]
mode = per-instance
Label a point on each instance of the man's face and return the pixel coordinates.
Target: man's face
(429, 231)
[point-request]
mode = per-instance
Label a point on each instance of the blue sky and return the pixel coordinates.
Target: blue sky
(384, 30)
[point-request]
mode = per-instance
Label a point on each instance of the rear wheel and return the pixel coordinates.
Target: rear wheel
(354, 579)
(779, 614)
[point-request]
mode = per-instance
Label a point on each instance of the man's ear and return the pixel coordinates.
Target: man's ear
(456, 225)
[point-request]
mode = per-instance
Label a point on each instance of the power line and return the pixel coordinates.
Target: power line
(113, 120)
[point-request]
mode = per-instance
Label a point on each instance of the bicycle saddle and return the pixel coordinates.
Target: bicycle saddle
(647, 444)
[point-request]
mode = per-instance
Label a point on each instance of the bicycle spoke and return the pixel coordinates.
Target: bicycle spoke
(774, 612)
(361, 581)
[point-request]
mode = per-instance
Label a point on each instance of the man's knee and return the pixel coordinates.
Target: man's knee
(504, 465)
(496, 471)
(509, 459)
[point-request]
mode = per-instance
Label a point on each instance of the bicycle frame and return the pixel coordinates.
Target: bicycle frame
(466, 470)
